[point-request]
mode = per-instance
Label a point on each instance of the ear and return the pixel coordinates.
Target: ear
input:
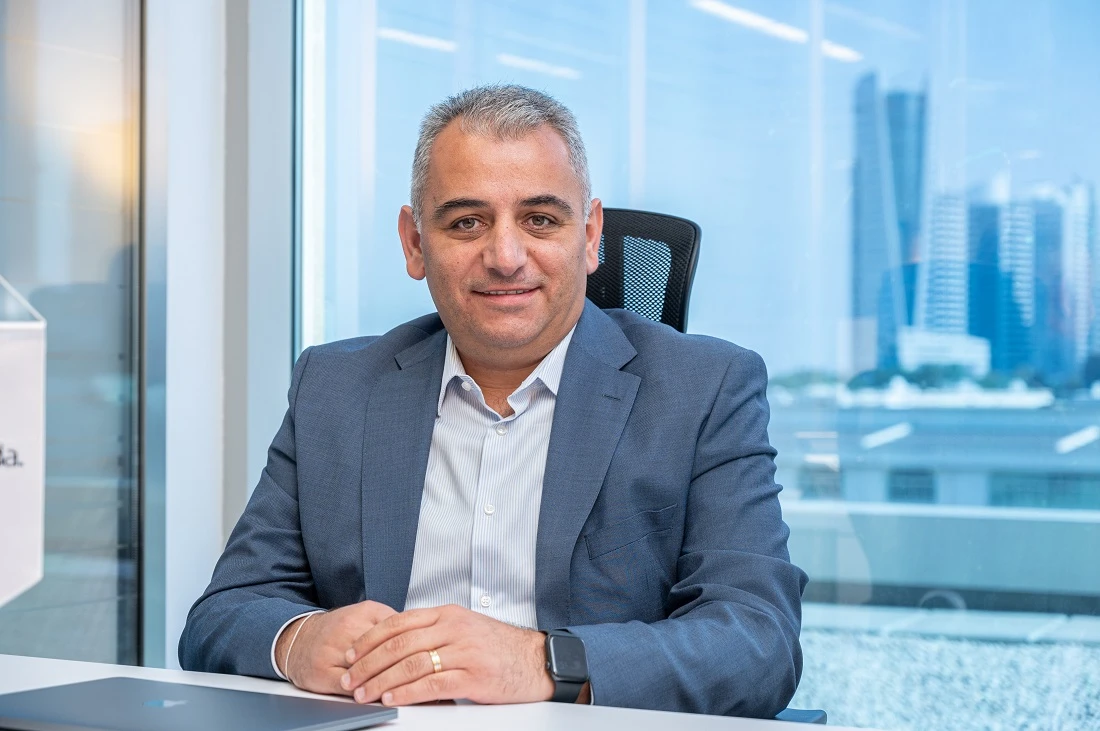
(411, 243)
(593, 230)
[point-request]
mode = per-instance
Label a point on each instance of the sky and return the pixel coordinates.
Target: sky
(737, 132)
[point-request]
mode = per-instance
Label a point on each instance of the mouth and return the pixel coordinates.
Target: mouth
(514, 296)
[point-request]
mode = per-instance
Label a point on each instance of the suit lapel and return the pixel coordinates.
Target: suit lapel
(594, 400)
(397, 439)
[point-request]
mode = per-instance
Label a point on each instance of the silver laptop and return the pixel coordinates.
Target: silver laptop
(128, 704)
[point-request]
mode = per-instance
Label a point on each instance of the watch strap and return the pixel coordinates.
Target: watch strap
(566, 692)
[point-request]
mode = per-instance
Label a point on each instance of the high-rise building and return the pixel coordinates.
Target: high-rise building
(905, 114)
(1094, 262)
(1015, 316)
(1077, 264)
(942, 299)
(984, 238)
(941, 333)
(1001, 263)
(1065, 293)
(887, 180)
(1053, 340)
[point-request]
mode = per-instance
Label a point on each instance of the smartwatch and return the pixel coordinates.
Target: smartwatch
(567, 665)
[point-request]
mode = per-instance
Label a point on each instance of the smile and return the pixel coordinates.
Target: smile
(506, 291)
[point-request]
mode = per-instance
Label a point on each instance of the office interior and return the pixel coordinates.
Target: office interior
(899, 211)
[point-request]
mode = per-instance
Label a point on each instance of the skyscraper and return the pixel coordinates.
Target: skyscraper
(942, 295)
(1001, 264)
(906, 127)
(1077, 267)
(1053, 339)
(1015, 316)
(887, 180)
(1065, 293)
(1094, 261)
(984, 239)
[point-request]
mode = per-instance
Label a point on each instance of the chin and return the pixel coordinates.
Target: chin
(510, 338)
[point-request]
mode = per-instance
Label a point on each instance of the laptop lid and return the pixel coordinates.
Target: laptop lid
(129, 704)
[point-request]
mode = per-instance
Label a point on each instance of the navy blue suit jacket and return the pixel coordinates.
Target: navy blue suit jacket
(660, 538)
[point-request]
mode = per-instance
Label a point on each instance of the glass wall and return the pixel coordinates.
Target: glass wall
(899, 212)
(69, 86)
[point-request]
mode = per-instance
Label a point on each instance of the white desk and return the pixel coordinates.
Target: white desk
(27, 673)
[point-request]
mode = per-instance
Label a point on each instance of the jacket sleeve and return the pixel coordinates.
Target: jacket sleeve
(263, 577)
(729, 644)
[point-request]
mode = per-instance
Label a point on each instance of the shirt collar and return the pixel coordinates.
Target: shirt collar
(548, 371)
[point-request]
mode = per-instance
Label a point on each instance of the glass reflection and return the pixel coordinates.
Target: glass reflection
(68, 187)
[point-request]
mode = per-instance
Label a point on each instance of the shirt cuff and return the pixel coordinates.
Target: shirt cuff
(292, 620)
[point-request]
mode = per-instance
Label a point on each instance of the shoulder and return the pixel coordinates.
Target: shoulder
(662, 347)
(372, 352)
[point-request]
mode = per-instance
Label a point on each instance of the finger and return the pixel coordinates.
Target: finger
(390, 627)
(332, 682)
(448, 685)
(416, 667)
(393, 651)
(406, 670)
(322, 680)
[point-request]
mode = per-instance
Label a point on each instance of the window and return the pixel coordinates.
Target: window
(68, 233)
(1065, 490)
(899, 213)
(912, 486)
(819, 483)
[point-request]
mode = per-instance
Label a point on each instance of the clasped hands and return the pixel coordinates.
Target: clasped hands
(375, 654)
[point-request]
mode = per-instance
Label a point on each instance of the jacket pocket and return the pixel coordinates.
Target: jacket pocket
(636, 527)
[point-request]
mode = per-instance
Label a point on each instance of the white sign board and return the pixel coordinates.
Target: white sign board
(22, 443)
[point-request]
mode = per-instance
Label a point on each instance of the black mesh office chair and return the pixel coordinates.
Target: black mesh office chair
(647, 266)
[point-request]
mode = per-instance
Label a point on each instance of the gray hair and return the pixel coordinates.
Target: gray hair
(507, 111)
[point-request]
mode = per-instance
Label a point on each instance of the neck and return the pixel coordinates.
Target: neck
(497, 377)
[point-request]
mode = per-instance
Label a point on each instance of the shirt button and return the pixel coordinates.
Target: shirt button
(485, 600)
(502, 430)
(489, 510)
(466, 386)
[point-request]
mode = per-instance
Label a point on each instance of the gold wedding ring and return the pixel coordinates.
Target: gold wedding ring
(436, 664)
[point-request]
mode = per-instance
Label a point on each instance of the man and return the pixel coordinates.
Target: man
(519, 481)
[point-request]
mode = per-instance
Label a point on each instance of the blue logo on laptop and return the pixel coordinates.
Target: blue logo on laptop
(164, 704)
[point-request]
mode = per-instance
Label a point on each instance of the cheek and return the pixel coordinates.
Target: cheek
(441, 270)
(449, 281)
(564, 258)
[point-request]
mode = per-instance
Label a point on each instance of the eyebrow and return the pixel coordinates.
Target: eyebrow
(444, 208)
(546, 199)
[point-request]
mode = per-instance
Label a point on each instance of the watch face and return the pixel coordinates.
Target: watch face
(567, 658)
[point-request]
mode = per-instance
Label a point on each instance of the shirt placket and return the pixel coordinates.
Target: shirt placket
(488, 580)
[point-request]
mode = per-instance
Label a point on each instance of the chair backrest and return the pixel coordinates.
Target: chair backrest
(647, 265)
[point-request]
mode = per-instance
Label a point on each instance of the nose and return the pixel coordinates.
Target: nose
(505, 250)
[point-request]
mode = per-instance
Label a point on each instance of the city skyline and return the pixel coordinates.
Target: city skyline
(989, 279)
(990, 111)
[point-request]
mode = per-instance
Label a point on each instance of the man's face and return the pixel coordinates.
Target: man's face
(503, 243)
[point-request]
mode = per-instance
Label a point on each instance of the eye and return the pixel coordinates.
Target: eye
(540, 221)
(465, 224)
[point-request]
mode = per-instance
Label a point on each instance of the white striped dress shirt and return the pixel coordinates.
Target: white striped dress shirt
(479, 514)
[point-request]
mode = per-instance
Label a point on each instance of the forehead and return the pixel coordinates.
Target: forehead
(488, 167)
